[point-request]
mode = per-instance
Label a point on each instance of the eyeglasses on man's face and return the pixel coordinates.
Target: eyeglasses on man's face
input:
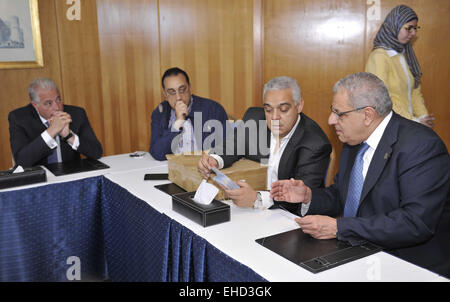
(410, 28)
(340, 114)
(181, 90)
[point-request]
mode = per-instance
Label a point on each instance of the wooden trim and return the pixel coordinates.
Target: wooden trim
(258, 49)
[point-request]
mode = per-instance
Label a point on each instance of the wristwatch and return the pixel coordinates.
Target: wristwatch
(258, 202)
(68, 136)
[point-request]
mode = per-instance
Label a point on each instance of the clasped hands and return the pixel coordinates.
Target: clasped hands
(295, 191)
(59, 124)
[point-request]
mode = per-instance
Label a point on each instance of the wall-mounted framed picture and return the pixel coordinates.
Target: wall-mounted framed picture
(20, 35)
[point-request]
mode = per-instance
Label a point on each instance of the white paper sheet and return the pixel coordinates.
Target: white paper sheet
(205, 193)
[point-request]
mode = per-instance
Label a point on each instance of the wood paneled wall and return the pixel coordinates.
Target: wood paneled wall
(14, 82)
(111, 61)
(213, 42)
(319, 42)
(130, 63)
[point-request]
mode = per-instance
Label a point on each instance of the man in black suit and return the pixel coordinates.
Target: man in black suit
(46, 131)
(292, 145)
(393, 184)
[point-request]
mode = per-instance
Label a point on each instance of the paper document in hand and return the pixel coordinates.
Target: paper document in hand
(205, 193)
(224, 180)
(288, 214)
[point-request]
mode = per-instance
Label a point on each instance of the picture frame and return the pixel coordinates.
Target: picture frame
(20, 35)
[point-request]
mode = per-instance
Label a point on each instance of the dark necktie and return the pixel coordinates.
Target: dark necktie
(356, 184)
(53, 157)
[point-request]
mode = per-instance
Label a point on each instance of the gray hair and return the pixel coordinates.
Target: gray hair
(280, 83)
(365, 89)
(40, 83)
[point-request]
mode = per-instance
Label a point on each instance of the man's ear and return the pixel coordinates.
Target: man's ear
(369, 115)
(300, 105)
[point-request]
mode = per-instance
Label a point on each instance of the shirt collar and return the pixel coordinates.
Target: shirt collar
(391, 53)
(43, 120)
(375, 137)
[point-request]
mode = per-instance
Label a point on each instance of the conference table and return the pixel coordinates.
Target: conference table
(114, 225)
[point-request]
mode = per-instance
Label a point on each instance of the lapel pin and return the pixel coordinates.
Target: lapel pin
(386, 156)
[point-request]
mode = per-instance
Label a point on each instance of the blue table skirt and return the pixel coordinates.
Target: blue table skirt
(115, 235)
(40, 228)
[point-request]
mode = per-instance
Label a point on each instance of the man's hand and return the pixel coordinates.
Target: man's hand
(294, 191)
(428, 120)
(59, 122)
(205, 164)
(65, 131)
(181, 110)
(319, 227)
(243, 197)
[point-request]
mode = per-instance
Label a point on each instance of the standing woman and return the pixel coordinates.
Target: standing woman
(393, 61)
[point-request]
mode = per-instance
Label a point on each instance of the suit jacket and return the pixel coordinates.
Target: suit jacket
(405, 204)
(305, 157)
(162, 135)
(28, 147)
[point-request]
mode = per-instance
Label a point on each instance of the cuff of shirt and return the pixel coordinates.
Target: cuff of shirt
(219, 160)
(304, 208)
(267, 202)
(76, 142)
(50, 141)
(177, 123)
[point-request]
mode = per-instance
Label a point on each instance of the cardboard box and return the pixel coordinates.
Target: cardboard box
(183, 172)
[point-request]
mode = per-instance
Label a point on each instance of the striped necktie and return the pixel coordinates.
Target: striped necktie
(356, 184)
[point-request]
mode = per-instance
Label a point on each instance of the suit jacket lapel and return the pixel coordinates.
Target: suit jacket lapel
(36, 121)
(381, 157)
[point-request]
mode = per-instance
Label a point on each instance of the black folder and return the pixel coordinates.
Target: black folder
(170, 188)
(77, 166)
(313, 254)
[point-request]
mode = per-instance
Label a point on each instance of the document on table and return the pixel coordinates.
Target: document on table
(288, 214)
(205, 193)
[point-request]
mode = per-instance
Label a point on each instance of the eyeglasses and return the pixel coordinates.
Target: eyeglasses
(409, 28)
(339, 114)
(181, 90)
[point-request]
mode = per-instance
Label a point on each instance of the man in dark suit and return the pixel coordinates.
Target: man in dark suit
(292, 144)
(46, 131)
(184, 121)
(393, 184)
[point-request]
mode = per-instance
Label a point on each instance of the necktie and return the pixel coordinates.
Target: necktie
(53, 157)
(356, 184)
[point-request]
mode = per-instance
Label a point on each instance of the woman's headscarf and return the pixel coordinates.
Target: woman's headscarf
(387, 37)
